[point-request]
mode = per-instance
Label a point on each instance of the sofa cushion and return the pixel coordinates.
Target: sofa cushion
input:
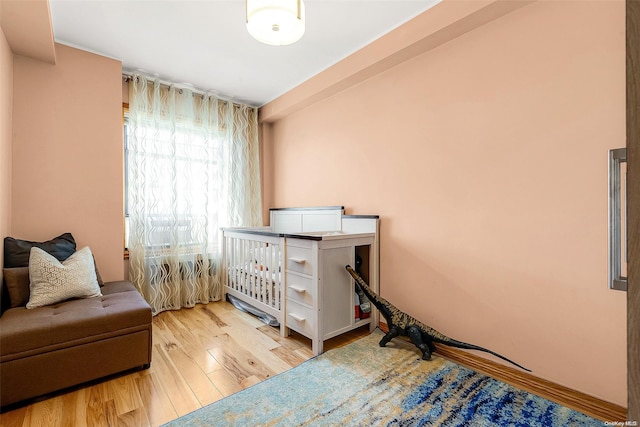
(120, 309)
(17, 282)
(52, 281)
(16, 251)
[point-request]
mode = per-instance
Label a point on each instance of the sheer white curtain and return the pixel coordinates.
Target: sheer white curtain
(193, 167)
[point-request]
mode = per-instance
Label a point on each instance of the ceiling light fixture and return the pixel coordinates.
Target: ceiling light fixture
(275, 22)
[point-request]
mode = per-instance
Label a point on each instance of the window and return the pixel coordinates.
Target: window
(189, 157)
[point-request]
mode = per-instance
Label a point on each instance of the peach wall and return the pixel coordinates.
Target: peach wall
(6, 101)
(486, 159)
(67, 153)
(28, 28)
(443, 22)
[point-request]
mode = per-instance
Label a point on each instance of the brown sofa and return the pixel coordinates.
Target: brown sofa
(50, 348)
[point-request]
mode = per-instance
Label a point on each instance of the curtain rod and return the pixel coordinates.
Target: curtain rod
(127, 77)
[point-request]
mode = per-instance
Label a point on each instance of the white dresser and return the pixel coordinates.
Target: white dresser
(320, 298)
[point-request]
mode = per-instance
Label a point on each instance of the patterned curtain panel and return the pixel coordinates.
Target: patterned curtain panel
(193, 167)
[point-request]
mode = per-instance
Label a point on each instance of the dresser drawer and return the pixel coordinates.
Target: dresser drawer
(300, 260)
(300, 318)
(301, 289)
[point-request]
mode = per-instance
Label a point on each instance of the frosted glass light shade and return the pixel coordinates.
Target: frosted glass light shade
(275, 22)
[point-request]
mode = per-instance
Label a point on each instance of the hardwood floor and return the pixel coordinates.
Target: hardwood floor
(200, 355)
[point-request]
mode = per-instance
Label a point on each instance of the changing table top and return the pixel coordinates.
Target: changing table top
(312, 235)
(315, 223)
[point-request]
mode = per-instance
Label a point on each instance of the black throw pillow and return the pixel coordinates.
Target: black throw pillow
(16, 251)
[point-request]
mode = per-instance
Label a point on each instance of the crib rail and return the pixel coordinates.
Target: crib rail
(253, 269)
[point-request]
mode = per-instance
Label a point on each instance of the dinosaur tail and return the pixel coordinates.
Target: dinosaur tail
(459, 344)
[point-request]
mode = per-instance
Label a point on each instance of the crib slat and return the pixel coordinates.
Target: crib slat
(236, 277)
(232, 262)
(229, 260)
(268, 274)
(252, 269)
(262, 272)
(243, 257)
(237, 265)
(249, 268)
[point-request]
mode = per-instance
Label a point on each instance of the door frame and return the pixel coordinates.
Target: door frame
(633, 207)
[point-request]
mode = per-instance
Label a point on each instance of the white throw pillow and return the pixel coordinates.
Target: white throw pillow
(52, 281)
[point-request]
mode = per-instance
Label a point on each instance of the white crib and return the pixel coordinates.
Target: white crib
(294, 269)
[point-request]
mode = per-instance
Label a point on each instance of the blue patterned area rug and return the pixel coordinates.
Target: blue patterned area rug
(362, 384)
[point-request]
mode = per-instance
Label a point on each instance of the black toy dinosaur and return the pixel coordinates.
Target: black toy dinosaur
(401, 324)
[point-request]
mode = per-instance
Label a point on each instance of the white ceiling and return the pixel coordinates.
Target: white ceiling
(205, 43)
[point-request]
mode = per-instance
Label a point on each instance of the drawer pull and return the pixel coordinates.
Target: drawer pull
(298, 260)
(296, 317)
(298, 290)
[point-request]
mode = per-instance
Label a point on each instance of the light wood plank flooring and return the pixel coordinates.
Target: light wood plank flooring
(200, 355)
